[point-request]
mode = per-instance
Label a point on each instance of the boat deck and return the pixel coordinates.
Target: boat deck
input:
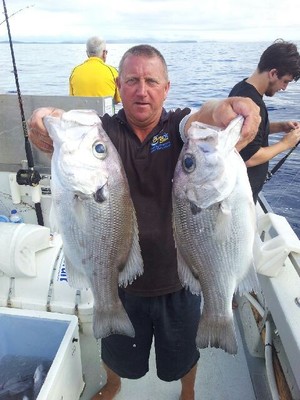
(220, 376)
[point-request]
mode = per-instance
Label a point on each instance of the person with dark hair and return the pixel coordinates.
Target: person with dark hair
(149, 140)
(94, 77)
(279, 65)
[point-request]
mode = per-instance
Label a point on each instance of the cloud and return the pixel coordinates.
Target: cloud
(164, 20)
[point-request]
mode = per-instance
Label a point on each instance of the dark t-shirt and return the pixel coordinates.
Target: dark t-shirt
(257, 174)
(150, 168)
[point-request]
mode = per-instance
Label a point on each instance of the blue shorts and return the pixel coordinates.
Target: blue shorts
(172, 320)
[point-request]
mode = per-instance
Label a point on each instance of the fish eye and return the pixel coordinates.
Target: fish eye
(189, 163)
(99, 150)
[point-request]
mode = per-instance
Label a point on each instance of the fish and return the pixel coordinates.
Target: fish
(19, 387)
(39, 377)
(93, 211)
(214, 224)
(24, 387)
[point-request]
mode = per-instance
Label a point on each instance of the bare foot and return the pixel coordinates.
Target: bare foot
(188, 398)
(187, 395)
(108, 392)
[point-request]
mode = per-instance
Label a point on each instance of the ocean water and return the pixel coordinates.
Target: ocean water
(197, 71)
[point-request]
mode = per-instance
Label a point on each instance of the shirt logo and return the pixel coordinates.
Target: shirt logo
(160, 142)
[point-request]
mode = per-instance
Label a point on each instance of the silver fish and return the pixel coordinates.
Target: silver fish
(39, 377)
(214, 227)
(18, 387)
(93, 210)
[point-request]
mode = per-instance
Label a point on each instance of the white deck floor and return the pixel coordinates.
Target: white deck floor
(220, 376)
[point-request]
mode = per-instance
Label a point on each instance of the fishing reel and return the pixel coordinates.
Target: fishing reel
(269, 176)
(29, 177)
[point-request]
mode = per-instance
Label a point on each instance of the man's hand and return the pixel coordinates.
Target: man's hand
(220, 112)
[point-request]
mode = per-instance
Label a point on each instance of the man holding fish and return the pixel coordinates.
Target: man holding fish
(149, 141)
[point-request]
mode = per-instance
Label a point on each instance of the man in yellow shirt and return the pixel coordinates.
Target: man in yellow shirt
(93, 77)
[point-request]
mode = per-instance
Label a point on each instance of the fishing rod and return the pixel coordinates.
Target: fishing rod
(11, 15)
(28, 176)
(279, 164)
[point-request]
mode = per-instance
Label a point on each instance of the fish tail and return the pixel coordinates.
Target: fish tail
(217, 331)
(112, 321)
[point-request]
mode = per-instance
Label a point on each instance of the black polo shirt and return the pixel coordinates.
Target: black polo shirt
(258, 173)
(150, 168)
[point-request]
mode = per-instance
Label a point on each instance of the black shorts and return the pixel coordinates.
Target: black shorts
(172, 320)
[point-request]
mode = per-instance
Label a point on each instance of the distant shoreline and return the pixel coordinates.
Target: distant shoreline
(107, 41)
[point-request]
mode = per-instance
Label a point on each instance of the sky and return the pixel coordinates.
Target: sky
(164, 20)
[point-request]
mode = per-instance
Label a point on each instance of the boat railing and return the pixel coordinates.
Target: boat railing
(293, 256)
(12, 144)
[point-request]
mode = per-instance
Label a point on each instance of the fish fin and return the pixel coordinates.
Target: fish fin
(250, 282)
(217, 331)
(112, 321)
(223, 222)
(80, 214)
(134, 265)
(75, 277)
(186, 276)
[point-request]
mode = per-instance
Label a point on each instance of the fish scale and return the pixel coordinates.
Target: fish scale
(214, 227)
